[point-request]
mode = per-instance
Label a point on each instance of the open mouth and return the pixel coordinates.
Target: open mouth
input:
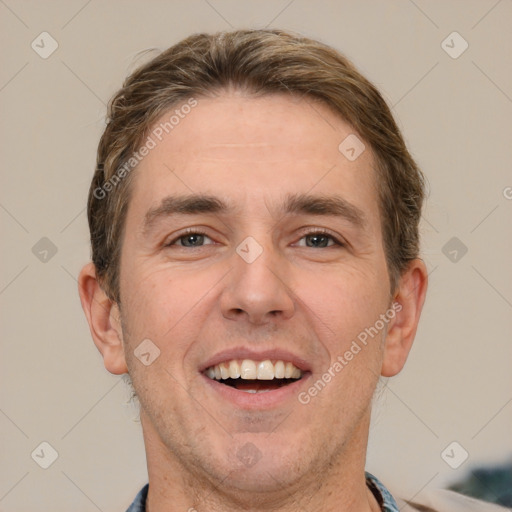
(254, 376)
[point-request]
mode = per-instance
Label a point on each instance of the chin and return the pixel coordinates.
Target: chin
(256, 464)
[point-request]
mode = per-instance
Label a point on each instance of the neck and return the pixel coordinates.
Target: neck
(341, 486)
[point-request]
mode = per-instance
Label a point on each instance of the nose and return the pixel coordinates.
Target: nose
(257, 290)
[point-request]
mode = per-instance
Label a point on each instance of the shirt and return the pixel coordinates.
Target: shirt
(382, 495)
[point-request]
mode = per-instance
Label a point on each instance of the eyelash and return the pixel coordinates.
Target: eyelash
(198, 231)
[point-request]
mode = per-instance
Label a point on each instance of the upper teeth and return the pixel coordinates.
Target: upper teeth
(249, 369)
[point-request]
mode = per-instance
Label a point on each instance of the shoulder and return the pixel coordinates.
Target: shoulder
(441, 500)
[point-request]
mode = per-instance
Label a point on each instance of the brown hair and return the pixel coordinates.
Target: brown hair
(259, 62)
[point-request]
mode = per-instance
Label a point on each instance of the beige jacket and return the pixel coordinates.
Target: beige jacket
(441, 500)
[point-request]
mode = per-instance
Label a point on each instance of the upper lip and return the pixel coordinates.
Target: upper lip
(261, 355)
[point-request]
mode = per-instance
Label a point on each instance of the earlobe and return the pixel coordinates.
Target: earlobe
(402, 329)
(103, 317)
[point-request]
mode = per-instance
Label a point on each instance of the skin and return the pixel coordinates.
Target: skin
(193, 302)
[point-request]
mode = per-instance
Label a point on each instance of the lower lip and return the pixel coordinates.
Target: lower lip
(261, 400)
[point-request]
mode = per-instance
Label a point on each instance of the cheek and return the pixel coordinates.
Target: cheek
(171, 309)
(164, 310)
(157, 299)
(344, 300)
(345, 307)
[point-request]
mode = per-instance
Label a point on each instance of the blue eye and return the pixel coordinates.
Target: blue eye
(192, 238)
(319, 240)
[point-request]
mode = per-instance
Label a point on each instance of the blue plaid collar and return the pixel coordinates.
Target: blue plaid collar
(139, 504)
(383, 496)
(386, 501)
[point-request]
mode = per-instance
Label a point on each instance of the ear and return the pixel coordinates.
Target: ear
(104, 320)
(408, 299)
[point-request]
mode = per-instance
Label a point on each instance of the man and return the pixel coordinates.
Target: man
(255, 270)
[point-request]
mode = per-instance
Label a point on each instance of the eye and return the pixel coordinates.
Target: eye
(191, 238)
(319, 239)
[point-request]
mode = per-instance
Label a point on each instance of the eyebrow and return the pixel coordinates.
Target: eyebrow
(332, 205)
(294, 204)
(192, 204)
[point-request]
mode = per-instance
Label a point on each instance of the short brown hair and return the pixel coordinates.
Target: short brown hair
(259, 62)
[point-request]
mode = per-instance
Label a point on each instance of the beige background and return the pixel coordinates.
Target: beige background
(455, 114)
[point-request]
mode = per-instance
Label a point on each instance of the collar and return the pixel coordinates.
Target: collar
(385, 499)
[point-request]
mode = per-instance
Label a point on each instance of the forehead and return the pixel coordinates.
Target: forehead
(252, 149)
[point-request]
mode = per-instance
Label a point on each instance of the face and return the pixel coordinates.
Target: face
(275, 270)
